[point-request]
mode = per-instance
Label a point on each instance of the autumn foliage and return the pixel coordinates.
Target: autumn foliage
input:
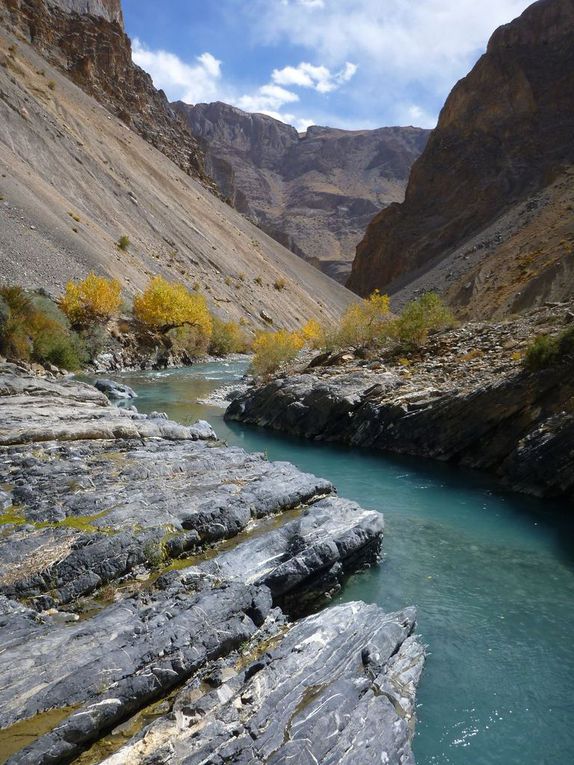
(273, 349)
(93, 300)
(165, 305)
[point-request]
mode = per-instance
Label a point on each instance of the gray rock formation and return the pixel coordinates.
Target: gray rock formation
(137, 554)
(111, 10)
(466, 399)
(339, 688)
(314, 193)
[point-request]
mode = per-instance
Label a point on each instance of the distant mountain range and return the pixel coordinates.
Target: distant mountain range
(314, 192)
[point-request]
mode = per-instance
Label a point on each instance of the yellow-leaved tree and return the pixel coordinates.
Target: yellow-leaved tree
(91, 301)
(164, 306)
(272, 349)
(365, 323)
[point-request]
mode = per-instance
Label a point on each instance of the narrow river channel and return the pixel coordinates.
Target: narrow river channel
(491, 573)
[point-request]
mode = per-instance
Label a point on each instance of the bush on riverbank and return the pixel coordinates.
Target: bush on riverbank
(92, 301)
(418, 318)
(227, 337)
(274, 349)
(32, 328)
(548, 350)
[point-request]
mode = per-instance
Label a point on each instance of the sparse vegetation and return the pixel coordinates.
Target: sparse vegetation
(548, 350)
(52, 85)
(280, 285)
(123, 243)
(92, 301)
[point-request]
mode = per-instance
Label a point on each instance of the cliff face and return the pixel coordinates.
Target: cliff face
(314, 193)
(504, 134)
(111, 10)
(86, 39)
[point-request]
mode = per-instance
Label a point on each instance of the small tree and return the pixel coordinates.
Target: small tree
(419, 317)
(273, 349)
(91, 301)
(365, 323)
(164, 306)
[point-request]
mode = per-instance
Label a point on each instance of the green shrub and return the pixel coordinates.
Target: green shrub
(419, 317)
(547, 350)
(123, 243)
(58, 347)
(226, 337)
(33, 328)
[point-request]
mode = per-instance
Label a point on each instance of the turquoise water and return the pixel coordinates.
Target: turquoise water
(491, 573)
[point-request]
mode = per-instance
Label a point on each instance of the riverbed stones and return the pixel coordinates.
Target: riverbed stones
(137, 554)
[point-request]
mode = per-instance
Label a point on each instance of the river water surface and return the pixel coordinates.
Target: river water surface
(491, 574)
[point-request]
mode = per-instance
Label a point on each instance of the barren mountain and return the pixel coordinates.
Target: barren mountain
(488, 214)
(76, 174)
(314, 192)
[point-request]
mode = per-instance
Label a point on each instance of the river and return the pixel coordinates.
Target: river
(491, 574)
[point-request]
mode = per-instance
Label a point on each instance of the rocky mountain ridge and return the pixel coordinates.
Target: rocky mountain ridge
(314, 192)
(86, 39)
(503, 137)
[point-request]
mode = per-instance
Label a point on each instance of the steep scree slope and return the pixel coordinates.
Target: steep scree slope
(74, 178)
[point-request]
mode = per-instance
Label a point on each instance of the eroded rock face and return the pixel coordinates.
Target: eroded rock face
(137, 555)
(504, 134)
(111, 10)
(314, 193)
(87, 40)
(467, 399)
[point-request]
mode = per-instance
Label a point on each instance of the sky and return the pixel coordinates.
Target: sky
(352, 64)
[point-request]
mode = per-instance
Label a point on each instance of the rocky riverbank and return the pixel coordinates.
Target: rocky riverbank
(150, 572)
(465, 398)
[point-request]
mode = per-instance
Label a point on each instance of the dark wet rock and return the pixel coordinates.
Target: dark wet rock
(115, 390)
(308, 700)
(466, 398)
(298, 559)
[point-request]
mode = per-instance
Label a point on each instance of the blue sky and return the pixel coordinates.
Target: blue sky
(343, 63)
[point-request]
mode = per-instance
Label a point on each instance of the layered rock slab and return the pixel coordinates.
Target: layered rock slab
(339, 687)
(94, 495)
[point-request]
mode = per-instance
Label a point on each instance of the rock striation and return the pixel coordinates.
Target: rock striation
(314, 192)
(504, 135)
(467, 399)
(144, 562)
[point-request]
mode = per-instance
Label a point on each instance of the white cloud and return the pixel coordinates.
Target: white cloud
(191, 83)
(319, 78)
(404, 50)
(268, 98)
